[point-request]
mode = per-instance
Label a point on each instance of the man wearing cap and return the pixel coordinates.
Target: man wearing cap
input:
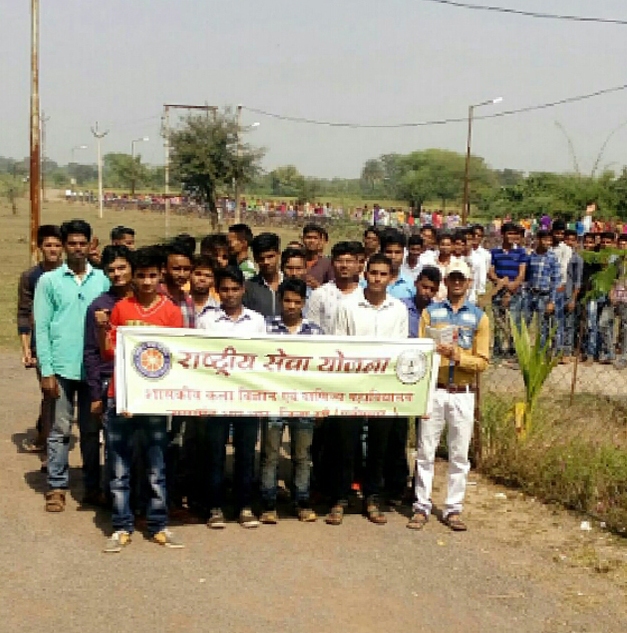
(454, 400)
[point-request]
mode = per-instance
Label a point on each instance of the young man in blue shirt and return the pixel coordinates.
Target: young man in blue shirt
(507, 273)
(62, 297)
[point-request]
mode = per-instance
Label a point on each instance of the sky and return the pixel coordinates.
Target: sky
(393, 61)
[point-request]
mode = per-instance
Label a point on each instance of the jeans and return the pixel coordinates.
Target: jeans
(535, 303)
(593, 311)
(121, 432)
(571, 329)
(245, 432)
(342, 437)
(621, 313)
(503, 344)
(606, 330)
(456, 411)
(301, 435)
(560, 309)
(59, 438)
(46, 413)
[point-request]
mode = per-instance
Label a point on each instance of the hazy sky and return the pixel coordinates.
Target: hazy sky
(365, 61)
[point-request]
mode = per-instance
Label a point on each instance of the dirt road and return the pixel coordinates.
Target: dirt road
(522, 567)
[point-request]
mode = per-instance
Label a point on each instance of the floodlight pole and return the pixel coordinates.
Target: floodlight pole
(466, 199)
(99, 136)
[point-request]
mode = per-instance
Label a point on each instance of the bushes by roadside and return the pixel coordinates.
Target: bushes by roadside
(576, 456)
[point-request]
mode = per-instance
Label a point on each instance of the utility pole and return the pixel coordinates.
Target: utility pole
(238, 214)
(35, 156)
(166, 170)
(44, 120)
(99, 136)
(166, 146)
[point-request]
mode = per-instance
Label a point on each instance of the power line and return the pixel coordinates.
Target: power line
(434, 122)
(529, 14)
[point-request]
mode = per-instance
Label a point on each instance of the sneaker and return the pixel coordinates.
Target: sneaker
(118, 540)
(269, 517)
(216, 519)
(621, 363)
(167, 539)
(247, 519)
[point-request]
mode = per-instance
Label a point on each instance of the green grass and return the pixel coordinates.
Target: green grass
(578, 460)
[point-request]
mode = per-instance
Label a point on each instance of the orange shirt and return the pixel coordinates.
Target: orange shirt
(128, 311)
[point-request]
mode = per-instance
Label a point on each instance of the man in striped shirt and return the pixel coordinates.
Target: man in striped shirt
(542, 278)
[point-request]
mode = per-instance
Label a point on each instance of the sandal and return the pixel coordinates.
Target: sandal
(336, 516)
(375, 515)
(30, 445)
(55, 501)
(418, 521)
(306, 515)
(454, 521)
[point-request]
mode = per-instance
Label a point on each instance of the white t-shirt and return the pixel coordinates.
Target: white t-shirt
(358, 317)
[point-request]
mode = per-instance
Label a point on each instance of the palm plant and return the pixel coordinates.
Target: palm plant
(536, 361)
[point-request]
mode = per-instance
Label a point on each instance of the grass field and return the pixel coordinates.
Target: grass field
(149, 227)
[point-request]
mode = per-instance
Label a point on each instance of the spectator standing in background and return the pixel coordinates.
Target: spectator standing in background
(50, 248)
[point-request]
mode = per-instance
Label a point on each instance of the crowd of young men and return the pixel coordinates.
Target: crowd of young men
(386, 287)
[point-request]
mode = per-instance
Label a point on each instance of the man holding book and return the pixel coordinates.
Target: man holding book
(462, 334)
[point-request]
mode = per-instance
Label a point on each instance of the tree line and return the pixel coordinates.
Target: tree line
(210, 156)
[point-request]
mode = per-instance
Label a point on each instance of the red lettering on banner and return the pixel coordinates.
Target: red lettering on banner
(353, 364)
(282, 361)
(224, 363)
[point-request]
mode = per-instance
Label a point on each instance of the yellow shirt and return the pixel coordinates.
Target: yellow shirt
(471, 360)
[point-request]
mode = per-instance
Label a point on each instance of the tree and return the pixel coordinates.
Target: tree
(120, 171)
(286, 181)
(13, 187)
(205, 157)
(372, 174)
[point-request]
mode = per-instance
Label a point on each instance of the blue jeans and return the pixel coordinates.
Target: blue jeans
(535, 304)
(593, 311)
(572, 321)
(560, 315)
(606, 329)
(245, 431)
(120, 435)
(59, 438)
(301, 435)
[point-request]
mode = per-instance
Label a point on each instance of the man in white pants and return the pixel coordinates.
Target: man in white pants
(454, 400)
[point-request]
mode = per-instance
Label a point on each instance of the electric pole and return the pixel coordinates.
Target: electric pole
(44, 120)
(238, 214)
(99, 136)
(35, 156)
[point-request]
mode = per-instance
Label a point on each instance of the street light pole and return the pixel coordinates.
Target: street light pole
(137, 140)
(466, 199)
(99, 136)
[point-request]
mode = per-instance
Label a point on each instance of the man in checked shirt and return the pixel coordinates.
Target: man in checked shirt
(542, 277)
(292, 296)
